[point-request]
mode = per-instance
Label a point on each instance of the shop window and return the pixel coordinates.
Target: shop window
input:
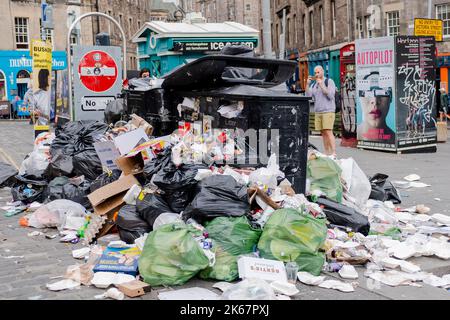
(2, 86)
(22, 80)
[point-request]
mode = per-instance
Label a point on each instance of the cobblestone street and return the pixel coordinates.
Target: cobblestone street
(27, 263)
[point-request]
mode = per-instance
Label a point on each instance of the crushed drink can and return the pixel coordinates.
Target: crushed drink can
(207, 244)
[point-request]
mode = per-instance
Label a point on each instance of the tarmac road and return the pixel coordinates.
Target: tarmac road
(27, 264)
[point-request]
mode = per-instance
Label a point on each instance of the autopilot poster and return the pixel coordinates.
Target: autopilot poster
(375, 93)
(416, 91)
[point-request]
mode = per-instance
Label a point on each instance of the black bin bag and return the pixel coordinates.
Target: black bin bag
(54, 190)
(383, 189)
(28, 188)
(151, 206)
(341, 215)
(78, 193)
(130, 225)
(105, 178)
(61, 165)
(219, 196)
(87, 164)
(7, 174)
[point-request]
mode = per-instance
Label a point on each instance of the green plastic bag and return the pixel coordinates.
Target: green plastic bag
(231, 237)
(325, 175)
(292, 236)
(171, 256)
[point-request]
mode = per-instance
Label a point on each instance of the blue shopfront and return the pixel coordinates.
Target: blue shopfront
(15, 73)
(163, 46)
(320, 58)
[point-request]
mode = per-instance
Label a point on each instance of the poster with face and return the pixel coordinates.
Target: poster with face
(416, 91)
(375, 93)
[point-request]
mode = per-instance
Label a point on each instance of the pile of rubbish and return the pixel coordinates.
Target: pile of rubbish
(150, 211)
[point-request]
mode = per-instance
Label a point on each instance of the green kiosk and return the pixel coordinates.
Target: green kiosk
(164, 46)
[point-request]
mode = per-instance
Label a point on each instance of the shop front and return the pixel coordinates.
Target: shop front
(320, 58)
(164, 46)
(15, 77)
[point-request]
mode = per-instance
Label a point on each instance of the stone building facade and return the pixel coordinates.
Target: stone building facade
(246, 12)
(131, 15)
(21, 23)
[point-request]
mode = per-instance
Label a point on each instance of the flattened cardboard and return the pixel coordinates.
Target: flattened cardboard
(270, 270)
(131, 164)
(128, 141)
(110, 196)
(134, 288)
(253, 192)
(108, 153)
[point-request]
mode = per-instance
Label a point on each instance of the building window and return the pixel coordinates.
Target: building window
(443, 13)
(333, 18)
(248, 7)
(130, 26)
(21, 32)
(393, 23)
(295, 30)
(304, 29)
(311, 27)
(139, 24)
(322, 35)
(368, 31)
(359, 24)
(287, 36)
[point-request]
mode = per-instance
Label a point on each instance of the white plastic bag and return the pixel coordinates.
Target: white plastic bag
(357, 184)
(35, 163)
(250, 289)
(267, 176)
(166, 218)
(59, 213)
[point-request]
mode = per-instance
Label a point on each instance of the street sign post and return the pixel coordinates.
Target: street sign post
(97, 80)
(100, 72)
(428, 27)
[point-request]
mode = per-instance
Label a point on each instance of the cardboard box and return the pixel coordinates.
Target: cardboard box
(134, 288)
(442, 131)
(131, 164)
(270, 270)
(108, 154)
(139, 122)
(121, 260)
(110, 197)
(254, 191)
(128, 141)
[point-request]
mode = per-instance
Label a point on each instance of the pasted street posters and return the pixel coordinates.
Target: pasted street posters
(375, 97)
(41, 52)
(416, 91)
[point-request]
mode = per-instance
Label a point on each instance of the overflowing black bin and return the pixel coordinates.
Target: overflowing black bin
(276, 115)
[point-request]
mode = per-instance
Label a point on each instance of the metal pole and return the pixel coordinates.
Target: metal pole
(283, 37)
(43, 35)
(267, 29)
(429, 9)
(69, 59)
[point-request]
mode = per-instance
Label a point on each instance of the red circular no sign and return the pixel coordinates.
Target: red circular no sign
(97, 71)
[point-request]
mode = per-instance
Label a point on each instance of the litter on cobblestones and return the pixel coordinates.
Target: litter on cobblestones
(112, 293)
(337, 285)
(195, 293)
(284, 288)
(149, 206)
(309, 279)
(63, 285)
(80, 253)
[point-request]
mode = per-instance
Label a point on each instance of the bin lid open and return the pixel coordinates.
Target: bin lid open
(223, 70)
